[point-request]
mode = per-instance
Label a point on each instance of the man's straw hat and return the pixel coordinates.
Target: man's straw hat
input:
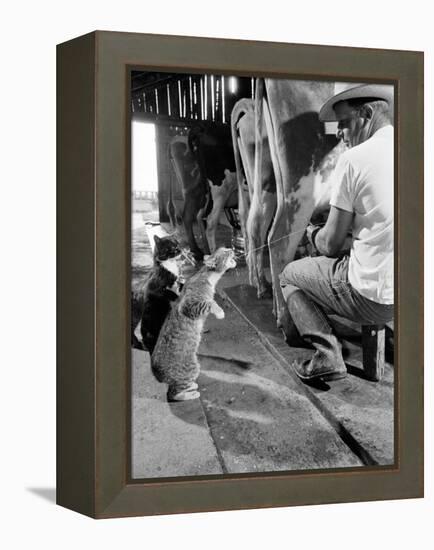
(377, 91)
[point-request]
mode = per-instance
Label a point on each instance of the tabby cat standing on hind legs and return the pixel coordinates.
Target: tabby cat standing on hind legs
(151, 298)
(174, 360)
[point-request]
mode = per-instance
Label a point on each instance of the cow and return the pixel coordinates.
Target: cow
(222, 196)
(302, 157)
(204, 164)
(188, 174)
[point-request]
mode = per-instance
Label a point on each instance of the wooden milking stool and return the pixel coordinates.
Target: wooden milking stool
(373, 346)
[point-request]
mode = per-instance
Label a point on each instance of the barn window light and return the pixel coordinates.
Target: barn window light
(233, 84)
(180, 99)
(223, 100)
(144, 170)
(168, 100)
(212, 97)
(156, 101)
(190, 89)
(202, 108)
(205, 104)
(195, 99)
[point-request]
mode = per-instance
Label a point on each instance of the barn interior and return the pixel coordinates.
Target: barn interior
(254, 414)
(174, 103)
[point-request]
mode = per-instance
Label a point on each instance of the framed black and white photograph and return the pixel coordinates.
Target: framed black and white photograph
(286, 312)
(242, 303)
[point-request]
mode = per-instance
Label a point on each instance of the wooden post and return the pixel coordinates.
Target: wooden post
(373, 343)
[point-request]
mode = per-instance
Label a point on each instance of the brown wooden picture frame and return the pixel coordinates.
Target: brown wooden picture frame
(93, 274)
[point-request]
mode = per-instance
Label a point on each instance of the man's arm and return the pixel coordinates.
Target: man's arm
(330, 239)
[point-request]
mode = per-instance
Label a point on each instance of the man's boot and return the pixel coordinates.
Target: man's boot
(290, 331)
(327, 362)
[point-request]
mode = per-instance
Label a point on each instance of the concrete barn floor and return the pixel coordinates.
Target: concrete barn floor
(254, 415)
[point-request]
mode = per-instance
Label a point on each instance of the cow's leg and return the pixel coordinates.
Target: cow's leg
(260, 217)
(248, 164)
(243, 211)
(223, 195)
(278, 228)
(202, 228)
(244, 190)
(201, 215)
(268, 209)
(284, 235)
(213, 219)
(256, 228)
(188, 218)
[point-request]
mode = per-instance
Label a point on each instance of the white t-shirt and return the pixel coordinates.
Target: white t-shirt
(363, 184)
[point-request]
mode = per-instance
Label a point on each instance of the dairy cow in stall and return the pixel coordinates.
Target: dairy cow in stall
(261, 201)
(302, 158)
(205, 167)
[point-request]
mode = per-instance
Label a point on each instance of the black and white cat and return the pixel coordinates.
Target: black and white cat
(151, 298)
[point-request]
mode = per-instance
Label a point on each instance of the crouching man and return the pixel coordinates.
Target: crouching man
(358, 286)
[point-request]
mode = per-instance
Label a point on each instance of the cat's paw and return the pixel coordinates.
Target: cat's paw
(220, 314)
(217, 311)
(184, 395)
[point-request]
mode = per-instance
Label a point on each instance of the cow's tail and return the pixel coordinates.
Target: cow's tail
(194, 138)
(242, 107)
(254, 257)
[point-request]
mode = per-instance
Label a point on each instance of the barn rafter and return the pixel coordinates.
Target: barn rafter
(187, 97)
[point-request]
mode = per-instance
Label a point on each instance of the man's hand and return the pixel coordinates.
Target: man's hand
(330, 238)
(311, 231)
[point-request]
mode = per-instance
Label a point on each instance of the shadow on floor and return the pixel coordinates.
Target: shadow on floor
(47, 493)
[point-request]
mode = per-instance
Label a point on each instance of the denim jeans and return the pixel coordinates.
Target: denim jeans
(325, 281)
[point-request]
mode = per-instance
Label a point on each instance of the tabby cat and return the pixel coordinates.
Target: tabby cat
(174, 360)
(151, 298)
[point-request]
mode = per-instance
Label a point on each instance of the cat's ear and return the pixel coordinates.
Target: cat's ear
(157, 240)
